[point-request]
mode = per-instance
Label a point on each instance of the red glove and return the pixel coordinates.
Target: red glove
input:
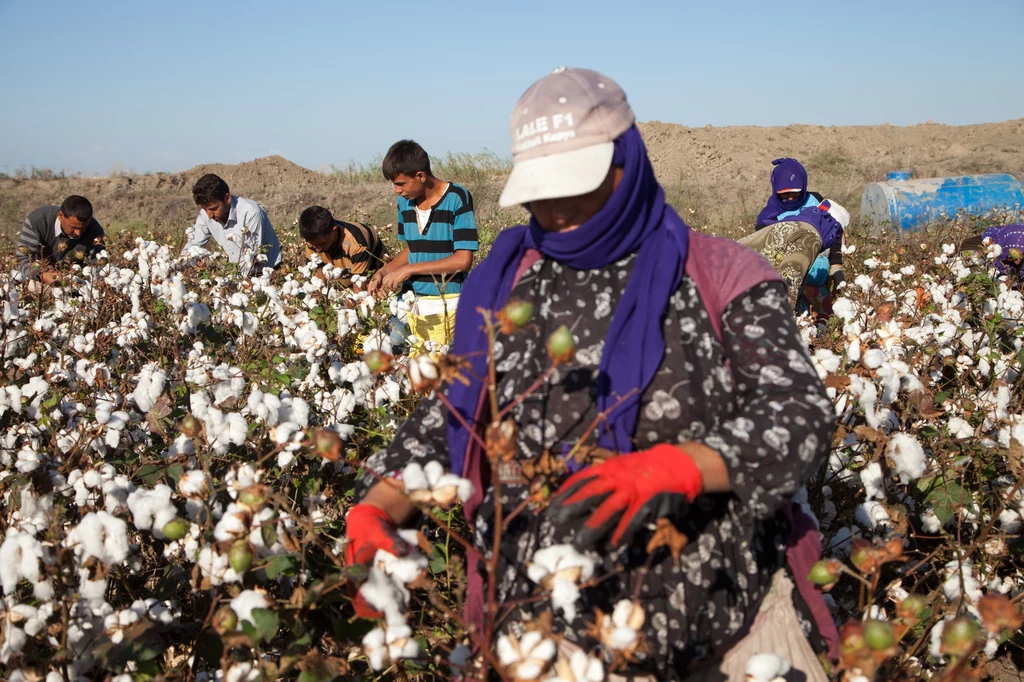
(369, 528)
(626, 493)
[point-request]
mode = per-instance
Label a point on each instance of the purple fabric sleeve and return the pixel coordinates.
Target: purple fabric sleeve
(803, 550)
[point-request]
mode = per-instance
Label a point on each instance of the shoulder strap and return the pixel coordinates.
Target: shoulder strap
(721, 270)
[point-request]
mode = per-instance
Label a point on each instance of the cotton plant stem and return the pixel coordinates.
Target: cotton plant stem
(522, 396)
(983, 536)
(515, 512)
(462, 421)
(601, 418)
(492, 564)
(492, 372)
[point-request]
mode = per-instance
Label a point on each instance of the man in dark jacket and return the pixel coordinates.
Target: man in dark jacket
(53, 233)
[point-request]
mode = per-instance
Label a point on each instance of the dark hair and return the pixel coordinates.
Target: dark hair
(405, 158)
(209, 188)
(77, 207)
(315, 221)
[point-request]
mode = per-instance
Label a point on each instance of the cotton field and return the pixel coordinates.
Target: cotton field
(179, 446)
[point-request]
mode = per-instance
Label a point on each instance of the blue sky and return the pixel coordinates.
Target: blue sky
(147, 86)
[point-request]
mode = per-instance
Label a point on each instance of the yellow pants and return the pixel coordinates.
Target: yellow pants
(433, 318)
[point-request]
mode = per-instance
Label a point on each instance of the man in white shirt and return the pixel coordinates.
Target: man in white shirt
(240, 226)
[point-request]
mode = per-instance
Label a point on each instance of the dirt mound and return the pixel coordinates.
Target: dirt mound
(716, 177)
(258, 174)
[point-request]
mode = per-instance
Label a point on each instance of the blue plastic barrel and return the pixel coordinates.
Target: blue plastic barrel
(910, 204)
(900, 175)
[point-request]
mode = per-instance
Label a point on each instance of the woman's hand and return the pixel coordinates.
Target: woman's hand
(369, 529)
(624, 494)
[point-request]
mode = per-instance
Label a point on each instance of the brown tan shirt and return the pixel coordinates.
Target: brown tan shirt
(360, 250)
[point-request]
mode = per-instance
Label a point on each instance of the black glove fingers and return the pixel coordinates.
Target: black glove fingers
(568, 491)
(587, 538)
(564, 515)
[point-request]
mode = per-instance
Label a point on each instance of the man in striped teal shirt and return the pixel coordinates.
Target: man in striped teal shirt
(437, 226)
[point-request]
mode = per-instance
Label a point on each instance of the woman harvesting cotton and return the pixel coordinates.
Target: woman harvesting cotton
(801, 235)
(686, 344)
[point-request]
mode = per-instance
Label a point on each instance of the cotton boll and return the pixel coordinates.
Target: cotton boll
(265, 406)
(20, 555)
(152, 509)
(394, 642)
(825, 362)
(871, 479)
(375, 649)
(295, 410)
(766, 668)
(431, 485)
(1009, 522)
(116, 491)
(907, 456)
(560, 568)
(960, 581)
(244, 604)
(580, 667)
(150, 386)
(853, 349)
(215, 567)
(93, 592)
(388, 393)
(100, 535)
(267, 517)
(182, 445)
(619, 631)
(194, 484)
(525, 658)
(241, 477)
(224, 430)
(873, 358)
(285, 432)
(385, 595)
(872, 514)
(564, 594)
(377, 340)
(414, 477)
(930, 523)
(935, 643)
(959, 428)
(234, 524)
(230, 384)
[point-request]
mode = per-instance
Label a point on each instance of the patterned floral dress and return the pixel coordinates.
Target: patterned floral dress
(753, 397)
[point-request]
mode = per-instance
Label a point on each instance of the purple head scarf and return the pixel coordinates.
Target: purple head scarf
(788, 174)
(635, 219)
(1008, 237)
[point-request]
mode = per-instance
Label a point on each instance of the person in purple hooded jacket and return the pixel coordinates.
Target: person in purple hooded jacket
(687, 353)
(1010, 239)
(789, 192)
(811, 267)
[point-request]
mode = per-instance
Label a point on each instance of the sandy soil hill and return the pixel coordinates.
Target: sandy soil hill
(716, 177)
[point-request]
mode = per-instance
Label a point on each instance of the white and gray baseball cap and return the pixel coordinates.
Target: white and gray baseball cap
(563, 133)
